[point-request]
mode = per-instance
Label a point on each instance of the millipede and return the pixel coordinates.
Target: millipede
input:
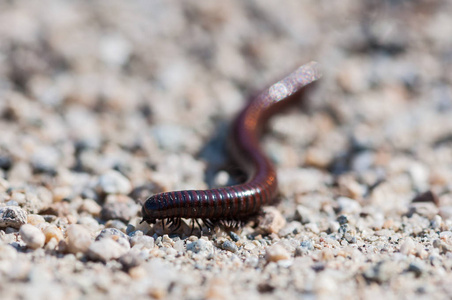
(236, 204)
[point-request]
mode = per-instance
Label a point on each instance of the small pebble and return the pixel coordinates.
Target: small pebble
(35, 219)
(116, 224)
(114, 182)
(119, 207)
(303, 214)
(90, 206)
(276, 252)
(407, 246)
(106, 249)
(416, 268)
(144, 241)
(32, 236)
(446, 212)
(301, 251)
(307, 244)
(383, 271)
(229, 246)
(111, 233)
(342, 219)
(348, 206)
(197, 246)
(130, 260)
(293, 227)
(78, 239)
(12, 216)
(271, 221)
(234, 236)
(425, 209)
(252, 261)
(179, 246)
(428, 196)
(52, 231)
(249, 246)
(436, 222)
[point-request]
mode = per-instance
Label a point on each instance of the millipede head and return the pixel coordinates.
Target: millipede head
(151, 210)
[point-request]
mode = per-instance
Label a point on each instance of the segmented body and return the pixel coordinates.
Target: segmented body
(236, 202)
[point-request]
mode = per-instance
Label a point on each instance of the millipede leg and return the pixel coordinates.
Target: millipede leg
(209, 223)
(178, 224)
(192, 226)
(199, 225)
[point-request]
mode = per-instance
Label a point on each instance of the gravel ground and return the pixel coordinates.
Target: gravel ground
(103, 103)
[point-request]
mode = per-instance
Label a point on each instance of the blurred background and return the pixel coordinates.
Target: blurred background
(142, 88)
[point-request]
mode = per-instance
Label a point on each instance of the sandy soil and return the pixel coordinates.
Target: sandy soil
(103, 103)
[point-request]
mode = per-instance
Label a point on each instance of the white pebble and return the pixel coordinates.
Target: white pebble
(32, 236)
(407, 246)
(106, 249)
(276, 253)
(78, 239)
(114, 182)
(348, 206)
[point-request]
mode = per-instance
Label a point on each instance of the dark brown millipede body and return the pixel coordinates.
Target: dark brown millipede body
(241, 201)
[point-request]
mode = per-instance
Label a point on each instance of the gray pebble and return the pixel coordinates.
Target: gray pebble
(110, 232)
(12, 203)
(234, 236)
(130, 229)
(425, 209)
(12, 216)
(118, 210)
(442, 246)
(9, 230)
(307, 245)
(363, 161)
(350, 238)
(416, 268)
(131, 259)
(229, 246)
(301, 251)
(342, 219)
(116, 224)
(436, 222)
(293, 227)
(119, 207)
(343, 229)
(303, 214)
(381, 272)
(197, 246)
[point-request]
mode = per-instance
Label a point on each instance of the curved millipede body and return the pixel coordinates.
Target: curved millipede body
(236, 202)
